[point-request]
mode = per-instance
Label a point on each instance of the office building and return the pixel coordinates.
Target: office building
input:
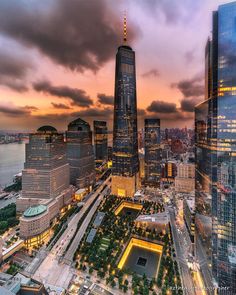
(46, 170)
(125, 162)
(80, 154)
(168, 171)
(100, 141)
(185, 179)
(216, 159)
(45, 184)
(152, 139)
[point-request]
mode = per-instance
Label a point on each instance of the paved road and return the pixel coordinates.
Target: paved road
(203, 264)
(51, 271)
(188, 286)
(73, 247)
(60, 247)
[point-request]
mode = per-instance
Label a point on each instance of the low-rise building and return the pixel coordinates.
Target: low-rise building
(36, 219)
(21, 285)
(158, 221)
(189, 216)
(80, 194)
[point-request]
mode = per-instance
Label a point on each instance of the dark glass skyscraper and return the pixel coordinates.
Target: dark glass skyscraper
(215, 126)
(100, 141)
(152, 158)
(80, 154)
(125, 166)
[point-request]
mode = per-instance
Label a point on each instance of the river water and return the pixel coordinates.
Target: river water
(12, 157)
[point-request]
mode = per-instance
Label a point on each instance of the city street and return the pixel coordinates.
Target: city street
(188, 285)
(68, 258)
(53, 272)
(202, 260)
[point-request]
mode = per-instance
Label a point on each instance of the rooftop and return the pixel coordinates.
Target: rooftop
(47, 129)
(191, 204)
(162, 217)
(35, 210)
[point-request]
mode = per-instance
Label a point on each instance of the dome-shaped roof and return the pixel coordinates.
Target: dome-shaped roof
(79, 125)
(47, 129)
(35, 210)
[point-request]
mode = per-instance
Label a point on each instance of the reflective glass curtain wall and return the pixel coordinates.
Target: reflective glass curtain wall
(216, 158)
(125, 137)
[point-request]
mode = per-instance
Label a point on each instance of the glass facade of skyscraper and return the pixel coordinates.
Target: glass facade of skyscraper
(125, 137)
(100, 141)
(152, 158)
(80, 154)
(46, 170)
(216, 159)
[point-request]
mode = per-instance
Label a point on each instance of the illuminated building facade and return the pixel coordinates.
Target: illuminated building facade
(46, 170)
(168, 171)
(152, 139)
(215, 129)
(185, 179)
(100, 141)
(45, 184)
(125, 162)
(80, 154)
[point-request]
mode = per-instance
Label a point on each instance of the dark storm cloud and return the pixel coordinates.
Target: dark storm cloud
(77, 96)
(105, 99)
(60, 106)
(188, 104)
(53, 118)
(151, 73)
(14, 111)
(13, 70)
(78, 34)
(192, 87)
(167, 111)
(158, 106)
(63, 119)
(141, 112)
(105, 113)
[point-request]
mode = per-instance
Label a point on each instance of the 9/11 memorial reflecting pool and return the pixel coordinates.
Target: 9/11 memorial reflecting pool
(141, 256)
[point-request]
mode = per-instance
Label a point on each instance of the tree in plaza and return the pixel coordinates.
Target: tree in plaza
(113, 284)
(145, 290)
(91, 270)
(152, 282)
(125, 288)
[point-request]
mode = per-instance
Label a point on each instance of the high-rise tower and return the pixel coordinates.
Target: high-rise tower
(152, 157)
(215, 129)
(100, 141)
(46, 170)
(80, 154)
(125, 166)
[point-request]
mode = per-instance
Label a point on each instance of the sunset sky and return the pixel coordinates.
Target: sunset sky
(57, 59)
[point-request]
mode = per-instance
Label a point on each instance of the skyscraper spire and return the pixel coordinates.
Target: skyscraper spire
(125, 29)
